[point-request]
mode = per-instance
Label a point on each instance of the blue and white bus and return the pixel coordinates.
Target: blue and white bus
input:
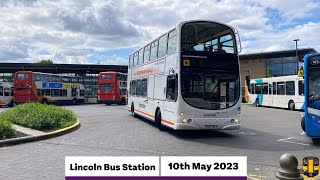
(187, 78)
(310, 123)
(282, 92)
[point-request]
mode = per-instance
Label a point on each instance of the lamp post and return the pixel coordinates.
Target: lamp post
(296, 40)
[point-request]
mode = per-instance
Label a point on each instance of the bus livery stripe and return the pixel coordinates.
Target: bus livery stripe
(151, 116)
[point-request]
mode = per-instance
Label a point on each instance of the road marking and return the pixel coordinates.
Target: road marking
(296, 143)
(285, 139)
(250, 177)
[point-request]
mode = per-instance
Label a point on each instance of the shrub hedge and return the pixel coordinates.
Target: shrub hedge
(6, 130)
(39, 116)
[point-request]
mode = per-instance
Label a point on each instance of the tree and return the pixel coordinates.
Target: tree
(45, 61)
(269, 72)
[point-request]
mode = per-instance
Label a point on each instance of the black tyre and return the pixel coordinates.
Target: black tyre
(74, 101)
(316, 141)
(258, 103)
(291, 106)
(303, 124)
(11, 104)
(44, 101)
(132, 110)
(158, 120)
(123, 101)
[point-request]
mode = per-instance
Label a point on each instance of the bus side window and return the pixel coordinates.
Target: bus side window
(270, 89)
(280, 88)
(12, 91)
(131, 61)
(301, 88)
(6, 92)
(252, 89)
(172, 41)
(1, 91)
(290, 88)
(172, 87)
(274, 88)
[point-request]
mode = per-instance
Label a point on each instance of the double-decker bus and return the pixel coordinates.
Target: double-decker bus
(47, 88)
(188, 78)
(6, 94)
(112, 88)
(311, 121)
(282, 92)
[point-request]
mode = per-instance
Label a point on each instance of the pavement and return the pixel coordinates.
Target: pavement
(28, 131)
(266, 134)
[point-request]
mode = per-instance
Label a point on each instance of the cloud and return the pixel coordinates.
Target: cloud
(80, 30)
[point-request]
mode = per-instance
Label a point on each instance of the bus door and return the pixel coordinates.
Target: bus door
(150, 88)
(270, 95)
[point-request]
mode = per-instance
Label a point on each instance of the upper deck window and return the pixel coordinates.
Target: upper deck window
(207, 36)
(106, 76)
(23, 76)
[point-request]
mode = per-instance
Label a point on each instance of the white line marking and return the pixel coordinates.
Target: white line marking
(285, 139)
(296, 143)
(302, 133)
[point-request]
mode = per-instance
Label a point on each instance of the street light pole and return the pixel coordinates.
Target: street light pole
(296, 40)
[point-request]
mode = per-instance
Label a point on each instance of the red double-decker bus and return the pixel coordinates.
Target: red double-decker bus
(47, 88)
(112, 88)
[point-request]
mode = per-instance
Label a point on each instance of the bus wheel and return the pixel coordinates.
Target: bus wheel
(132, 111)
(291, 105)
(44, 101)
(303, 124)
(123, 101)
(11, 104)
(257, 102)
(74, 101)
(316, 141)
(158, 120)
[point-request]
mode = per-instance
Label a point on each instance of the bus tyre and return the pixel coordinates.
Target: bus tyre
(74, 101)
(316, 141)
(11, 104)
(123, 101)
(158, 120)
(258, 103)
(291, 105)
(44, 101)
(303, 124)
(132, 110)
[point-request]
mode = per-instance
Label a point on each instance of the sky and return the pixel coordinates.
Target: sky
(106, 31)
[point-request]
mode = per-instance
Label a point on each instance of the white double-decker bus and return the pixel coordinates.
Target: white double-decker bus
(188, 78)
(282, 92)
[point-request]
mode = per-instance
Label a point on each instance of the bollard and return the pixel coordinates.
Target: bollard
(288, 168)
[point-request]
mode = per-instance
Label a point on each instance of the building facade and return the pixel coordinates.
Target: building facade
(257, 65)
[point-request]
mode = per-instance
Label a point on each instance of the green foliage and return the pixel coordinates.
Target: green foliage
(269, 72)
(45, 61)
(6, 130)
(39, 116)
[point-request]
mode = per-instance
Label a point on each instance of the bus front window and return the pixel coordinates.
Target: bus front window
(208, 37)
(23, 76)
(314, 88)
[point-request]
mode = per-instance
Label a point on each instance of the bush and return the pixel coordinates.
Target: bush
(6, 130)
(40, 116)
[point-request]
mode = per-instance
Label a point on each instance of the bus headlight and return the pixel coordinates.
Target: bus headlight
(235, 121)
(184, 120)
